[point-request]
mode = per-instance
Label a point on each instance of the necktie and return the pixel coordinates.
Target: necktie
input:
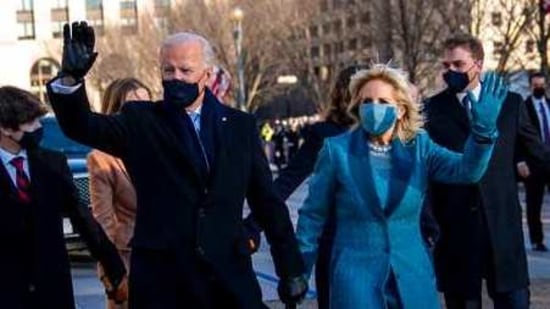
(195, 118)
(22, 181)
(466, 104)
(545, 128)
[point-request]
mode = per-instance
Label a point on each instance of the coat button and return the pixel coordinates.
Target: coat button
(205, 190)
(32, 288)
(201, 213)
(199, 250)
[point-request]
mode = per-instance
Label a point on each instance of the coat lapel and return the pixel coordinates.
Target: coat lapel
(402, 157)
(183, 141)
(456, 111)
(360, 169)
(7, 188)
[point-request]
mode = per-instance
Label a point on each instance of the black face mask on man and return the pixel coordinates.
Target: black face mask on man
(539, 92)
(179, 94)
(31, 140)
(456, 81)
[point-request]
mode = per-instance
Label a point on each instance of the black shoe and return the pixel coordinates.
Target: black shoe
(540, 247)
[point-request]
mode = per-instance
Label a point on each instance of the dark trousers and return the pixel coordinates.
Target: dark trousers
(159, 280)
(516, 299)
(534, 195)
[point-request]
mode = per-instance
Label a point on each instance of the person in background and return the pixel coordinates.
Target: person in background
(220, 84)
(481, 230)
(112, 195)
(36, 192)
(536, 180)
(375, 177)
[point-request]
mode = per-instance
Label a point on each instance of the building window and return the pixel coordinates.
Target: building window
(324, 5)
(365, 18)
(128, 16)
(337, 4)
(327, 50)
(529, 46)
(59, 17)
(339, 47)
(352, 45)
(367, 42)
(497, 48)
(338, 27)
(315, 52)
(162, 3)
(26, 5)
(25, 20)
(94, 5)
(59, 4)
(351, 22)
(496, 19)
(94, 15)
(326, 29)
(314, 31)
(41, 72)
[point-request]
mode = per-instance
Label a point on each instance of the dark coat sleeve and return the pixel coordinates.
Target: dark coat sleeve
(301, 165)
(271, 213)
(95, 238)
(78, 122)
(530, 145)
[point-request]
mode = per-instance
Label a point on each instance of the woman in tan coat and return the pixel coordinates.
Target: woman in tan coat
(112, 194)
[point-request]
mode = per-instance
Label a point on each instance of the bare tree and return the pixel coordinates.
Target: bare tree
(540, 33)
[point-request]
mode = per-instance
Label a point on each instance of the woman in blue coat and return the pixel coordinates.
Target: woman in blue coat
(376, 177)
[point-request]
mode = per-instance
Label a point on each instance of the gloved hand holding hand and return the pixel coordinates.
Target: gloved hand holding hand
(485, 111)
(78, 50)
(292, 290)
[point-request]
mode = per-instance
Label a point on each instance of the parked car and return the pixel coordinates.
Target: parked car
(76, 156)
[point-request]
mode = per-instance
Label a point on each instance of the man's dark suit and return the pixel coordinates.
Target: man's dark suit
(36, 270)
(189, 221)
(536, 183)
(481, 229)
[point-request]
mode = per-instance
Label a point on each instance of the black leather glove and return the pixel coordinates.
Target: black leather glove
(78, 50)
(292, 290)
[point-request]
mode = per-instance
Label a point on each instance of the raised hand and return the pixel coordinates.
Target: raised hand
(485, 111)
(78, 50)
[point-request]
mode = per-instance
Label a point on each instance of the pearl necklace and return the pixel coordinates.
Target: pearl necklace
(379, 148)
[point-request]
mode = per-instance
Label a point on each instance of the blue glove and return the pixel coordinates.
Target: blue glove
(485, 111)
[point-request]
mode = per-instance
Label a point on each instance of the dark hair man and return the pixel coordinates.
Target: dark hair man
(535, 179)
(481, 229)
(36, 189)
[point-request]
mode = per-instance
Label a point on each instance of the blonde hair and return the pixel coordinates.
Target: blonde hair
(408, 126)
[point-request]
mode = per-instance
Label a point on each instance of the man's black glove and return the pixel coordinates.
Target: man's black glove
(78, 50)
(292, 290)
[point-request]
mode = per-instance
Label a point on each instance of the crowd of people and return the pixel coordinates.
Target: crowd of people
(405, 199)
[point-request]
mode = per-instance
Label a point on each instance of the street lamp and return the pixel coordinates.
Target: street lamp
(237, 16)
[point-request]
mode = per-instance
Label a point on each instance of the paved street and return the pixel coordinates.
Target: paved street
(89, 292)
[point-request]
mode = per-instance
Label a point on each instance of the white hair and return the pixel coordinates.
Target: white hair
(183, 37)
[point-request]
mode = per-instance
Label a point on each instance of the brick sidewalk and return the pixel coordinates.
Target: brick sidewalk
(540, 297)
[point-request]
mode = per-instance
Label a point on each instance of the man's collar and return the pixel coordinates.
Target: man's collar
(195, 111)
(7, 156)
(476, 91)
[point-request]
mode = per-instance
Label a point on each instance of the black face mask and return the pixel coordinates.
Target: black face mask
(456, 81)
(31, 140)
(179, 94)
(539, 92)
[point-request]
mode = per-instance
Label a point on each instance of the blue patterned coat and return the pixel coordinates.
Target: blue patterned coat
(371, 239)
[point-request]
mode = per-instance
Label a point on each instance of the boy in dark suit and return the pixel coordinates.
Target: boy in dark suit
(35, 190)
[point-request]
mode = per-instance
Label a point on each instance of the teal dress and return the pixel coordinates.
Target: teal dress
(379, 259)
